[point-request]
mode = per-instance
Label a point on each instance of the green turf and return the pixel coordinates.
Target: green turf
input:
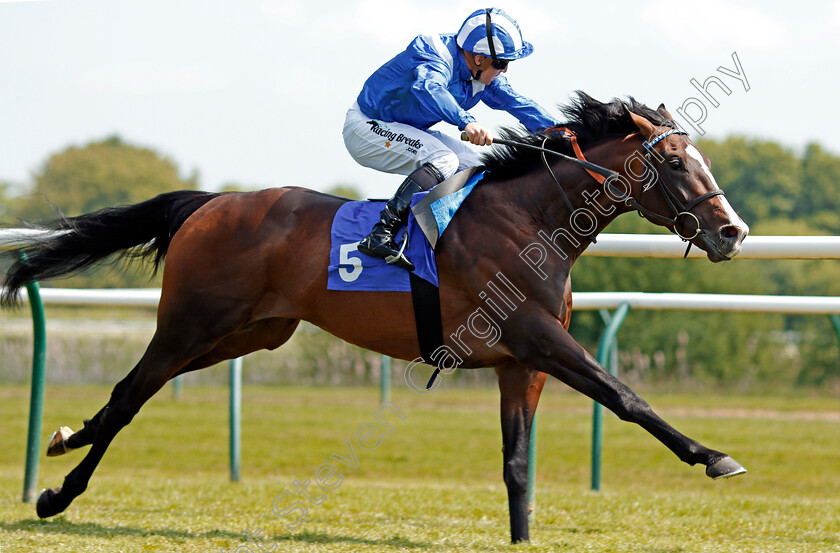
(435, 482)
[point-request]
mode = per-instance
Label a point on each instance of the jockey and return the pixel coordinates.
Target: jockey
(437, 78)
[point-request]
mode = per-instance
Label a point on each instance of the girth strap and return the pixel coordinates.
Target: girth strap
(425, 297)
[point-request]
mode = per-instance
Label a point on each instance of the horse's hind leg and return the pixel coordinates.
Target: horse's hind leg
(164, 358)
(167, 353)
(520, 390)
(266, 334)
(60, 443)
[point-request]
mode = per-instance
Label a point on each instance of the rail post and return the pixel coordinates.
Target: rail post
(36, 394)
(607, 357)
(235, 385)
(385, 378)
(532, 472)
(835, 320)
(177, 385)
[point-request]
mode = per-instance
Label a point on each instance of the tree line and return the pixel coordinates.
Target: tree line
(776, 189)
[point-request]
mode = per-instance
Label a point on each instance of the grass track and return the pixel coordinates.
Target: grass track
(434, 484)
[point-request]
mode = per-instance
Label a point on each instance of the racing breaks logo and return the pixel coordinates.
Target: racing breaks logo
(382, 130)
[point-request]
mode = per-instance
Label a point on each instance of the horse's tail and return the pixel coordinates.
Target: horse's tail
(140, 230)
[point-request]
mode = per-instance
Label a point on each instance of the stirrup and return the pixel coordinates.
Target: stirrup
(400, 258)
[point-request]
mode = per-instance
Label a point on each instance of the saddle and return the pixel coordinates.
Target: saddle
(434, 212)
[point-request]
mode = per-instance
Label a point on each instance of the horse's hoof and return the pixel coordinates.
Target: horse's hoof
(724, 467)
(45, 507)
(58, 442)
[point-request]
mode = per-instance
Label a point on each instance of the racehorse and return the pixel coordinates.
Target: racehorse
(242, 269)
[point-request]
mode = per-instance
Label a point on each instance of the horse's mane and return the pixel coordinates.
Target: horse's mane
(590, 120)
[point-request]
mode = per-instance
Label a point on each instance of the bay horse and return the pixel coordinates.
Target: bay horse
(242, 269)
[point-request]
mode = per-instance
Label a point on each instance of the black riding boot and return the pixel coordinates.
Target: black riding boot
(380, 241)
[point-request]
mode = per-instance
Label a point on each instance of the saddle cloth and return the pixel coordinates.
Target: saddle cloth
(430, 215)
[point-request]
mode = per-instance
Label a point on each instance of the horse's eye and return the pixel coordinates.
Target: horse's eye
(675, 163)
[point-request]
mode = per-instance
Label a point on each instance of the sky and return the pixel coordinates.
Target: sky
(254, 92)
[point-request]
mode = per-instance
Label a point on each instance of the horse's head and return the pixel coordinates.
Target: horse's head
(683, 195)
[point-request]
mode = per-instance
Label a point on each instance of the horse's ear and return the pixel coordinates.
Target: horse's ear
(645, 127)
(662, 111)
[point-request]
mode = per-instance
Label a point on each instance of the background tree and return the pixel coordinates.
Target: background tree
(762, 179)
(5, 203)
(345, 191)
(819, 201)
(101, 174)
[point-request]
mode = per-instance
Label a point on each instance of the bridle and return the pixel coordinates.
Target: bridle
(605, 176)
(676, 205)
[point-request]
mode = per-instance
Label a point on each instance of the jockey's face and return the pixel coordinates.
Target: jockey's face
(488, 72)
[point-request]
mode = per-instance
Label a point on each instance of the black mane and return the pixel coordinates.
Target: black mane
(590, 120)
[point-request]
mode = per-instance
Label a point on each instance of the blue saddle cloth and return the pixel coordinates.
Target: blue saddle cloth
(352, 270)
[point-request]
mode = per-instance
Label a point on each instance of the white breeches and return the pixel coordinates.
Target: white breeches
(398, 148)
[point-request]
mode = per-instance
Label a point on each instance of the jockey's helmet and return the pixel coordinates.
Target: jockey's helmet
(493, 22)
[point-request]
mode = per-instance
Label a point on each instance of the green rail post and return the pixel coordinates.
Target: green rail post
(608, 360)
(385, 378)
(835, 320)
(235, 385)
(177, 385)
(532, 471)
(36, 395)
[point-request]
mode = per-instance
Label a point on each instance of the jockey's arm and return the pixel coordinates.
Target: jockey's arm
(429, 88)
(500, 95)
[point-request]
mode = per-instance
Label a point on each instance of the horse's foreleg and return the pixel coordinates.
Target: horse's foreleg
(549, 347)
(520, 390)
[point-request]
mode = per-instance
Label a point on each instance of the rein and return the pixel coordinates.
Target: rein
(581, 161)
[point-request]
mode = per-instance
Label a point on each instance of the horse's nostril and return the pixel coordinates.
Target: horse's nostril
(729, 231)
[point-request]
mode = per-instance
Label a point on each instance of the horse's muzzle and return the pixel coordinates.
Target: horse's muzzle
(726, 243)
